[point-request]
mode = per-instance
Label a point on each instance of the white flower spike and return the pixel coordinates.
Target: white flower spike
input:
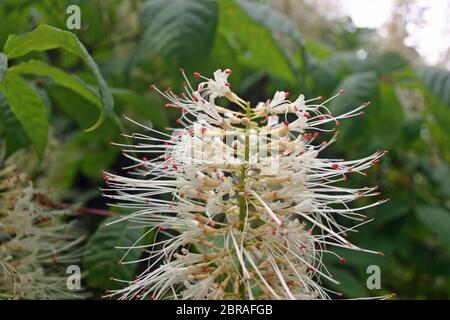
(242, 206)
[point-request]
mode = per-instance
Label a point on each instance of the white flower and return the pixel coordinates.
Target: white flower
(242, 204)
(35, 243)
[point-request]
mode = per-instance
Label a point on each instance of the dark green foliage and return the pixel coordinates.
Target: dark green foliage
(107, 67)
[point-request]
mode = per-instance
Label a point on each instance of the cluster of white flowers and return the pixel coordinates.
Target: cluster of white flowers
(247, 217)
(35, 243)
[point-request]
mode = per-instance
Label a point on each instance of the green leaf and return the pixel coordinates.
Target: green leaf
(253, 43)
(28, 108)
(381, 64)
(62, 78)
(16, 137)
(359, 88)
(45, 38)
(102, 258)
(437, 80)
(386, 119)
(276, 22)
(390, 211)
(179, 29)
(350, 286)
(437, 220)
(151, 111)
(3, 64)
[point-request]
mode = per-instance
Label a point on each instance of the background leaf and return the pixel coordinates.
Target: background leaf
(182, 30)
(102, 258)
(437, 219)
(45, 38)
(28, 108)
(437, 80)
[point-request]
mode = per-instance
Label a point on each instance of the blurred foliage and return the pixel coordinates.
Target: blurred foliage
(56, 83)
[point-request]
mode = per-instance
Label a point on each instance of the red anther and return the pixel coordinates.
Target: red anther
(344, 177)
(342, 260)
(286, 94)
(167, 90)
(379, 253)
(181, 194)
(162, 228)
(178, 121)
(183, 110)
(227, 84)
(165, 167)
(341, 91)
(286, 123)
(307, 136)
(174, 166)
(335, 166)
(306, 115)
(375, 161)
(337, 123)
(316, 134)
(258, 245)
(274, 232)
(203, 130)
(310, 269)
(321, 117)
(227, 71)
(350, 169)
(211, 223)
(197, 75)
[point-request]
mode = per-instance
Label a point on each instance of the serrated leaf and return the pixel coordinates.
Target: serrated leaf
(437, 220)
(437, 80)
(28, 108)
(276, 22)
(102, 259)
(179, 29)
(45, 38)
(253, 44)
